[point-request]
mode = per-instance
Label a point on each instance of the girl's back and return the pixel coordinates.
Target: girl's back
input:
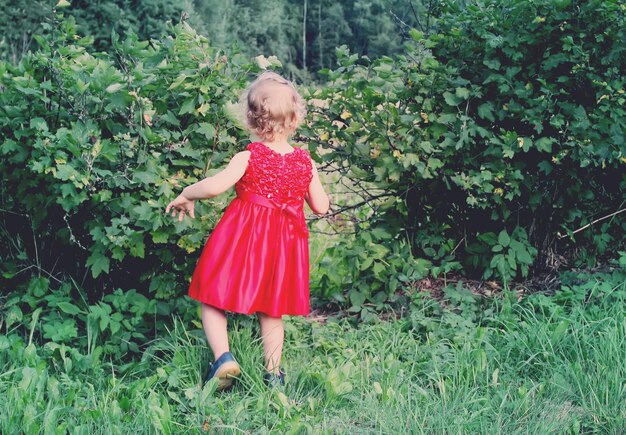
(282, 178)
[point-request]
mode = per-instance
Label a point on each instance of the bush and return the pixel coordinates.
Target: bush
(94, 146)
(476, 148)
(495, 133)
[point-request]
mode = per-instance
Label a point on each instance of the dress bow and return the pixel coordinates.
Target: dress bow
(292, 211)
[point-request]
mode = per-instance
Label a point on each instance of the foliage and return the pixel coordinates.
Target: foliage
(365, 275)
(94, 147)
(468, 365)
(117, 325)
(256, 28)
(489, 137)
(146, 18)
(471, 151)
(21, 20)
(305, 43)
(511, 254)
(304, 34)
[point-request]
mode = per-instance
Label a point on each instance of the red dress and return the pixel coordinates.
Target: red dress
(257, 257)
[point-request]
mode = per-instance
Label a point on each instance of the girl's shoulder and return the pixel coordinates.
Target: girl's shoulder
(261, 148)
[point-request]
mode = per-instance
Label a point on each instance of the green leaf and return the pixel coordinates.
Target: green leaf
(38, 286)
(434, 163)
(114, 88)
(176, 83)
(207, 130)
(493, 64)
(66, 172)
(485, 111)
(503, 238)
(69, 308)
(545, 167)
(357, 298)
(98, 263)
(13, 315)
(560, 330)
(60, 331)
(462, 93)
(524, 257)
(511, 259)
(104, 321)
(39, 124)
(159, 236)
(189, 106)
(544, 144)
(137, 248)
(416, 35)
(114, 326)
(145, 177)
(451, 99)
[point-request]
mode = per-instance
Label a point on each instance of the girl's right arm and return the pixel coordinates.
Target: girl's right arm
(220, 182)
(210, 187)
(316, 197)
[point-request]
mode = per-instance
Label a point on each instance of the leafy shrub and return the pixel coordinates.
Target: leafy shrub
(497, 132)
(117, 325)
(479, 145)
(94, 146)
(363, 273)
(511, 254)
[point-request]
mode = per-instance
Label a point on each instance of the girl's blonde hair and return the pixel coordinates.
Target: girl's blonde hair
(273, 106)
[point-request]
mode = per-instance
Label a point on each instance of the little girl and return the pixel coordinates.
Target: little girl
(257, 258)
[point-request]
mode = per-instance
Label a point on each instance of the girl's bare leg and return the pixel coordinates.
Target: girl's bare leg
(214, 323)
(273, 336)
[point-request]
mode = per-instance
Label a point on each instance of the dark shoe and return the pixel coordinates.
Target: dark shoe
(225, 369)
(273, 381)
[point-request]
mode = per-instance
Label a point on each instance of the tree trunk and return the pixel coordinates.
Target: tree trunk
(319, 33)
(304, 35)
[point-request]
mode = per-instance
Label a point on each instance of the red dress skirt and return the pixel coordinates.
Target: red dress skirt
(257, 257)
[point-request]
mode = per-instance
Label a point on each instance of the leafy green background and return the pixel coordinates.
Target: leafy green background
(479, 150)
(474, 150)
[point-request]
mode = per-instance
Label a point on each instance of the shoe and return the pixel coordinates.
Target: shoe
(273, 381)
(225, 369)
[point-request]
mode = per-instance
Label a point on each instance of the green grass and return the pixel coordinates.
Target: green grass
(548, 364)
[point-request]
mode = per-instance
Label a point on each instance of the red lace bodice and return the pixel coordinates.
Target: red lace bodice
(283, 178)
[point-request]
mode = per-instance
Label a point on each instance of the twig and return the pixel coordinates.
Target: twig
(457, 245)
(36, 250)
(39, 269)
(2, 210)
(561, 236)
(72, 237)
(215, 139)
(417, 18)
(350, 207)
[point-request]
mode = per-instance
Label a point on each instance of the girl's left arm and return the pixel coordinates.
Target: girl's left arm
(220, 182)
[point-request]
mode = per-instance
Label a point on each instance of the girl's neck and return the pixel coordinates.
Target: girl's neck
(278, 143)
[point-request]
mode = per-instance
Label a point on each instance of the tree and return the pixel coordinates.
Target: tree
(147, 18)
(19, 21)
(329, 30)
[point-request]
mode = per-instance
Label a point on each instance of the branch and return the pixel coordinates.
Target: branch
(351, 207)
(561, 236)
(417, 18)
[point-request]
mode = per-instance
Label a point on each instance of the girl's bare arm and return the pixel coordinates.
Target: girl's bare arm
(316, 196)
(220, 182)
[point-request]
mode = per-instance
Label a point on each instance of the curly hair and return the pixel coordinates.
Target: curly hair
(273, 106)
